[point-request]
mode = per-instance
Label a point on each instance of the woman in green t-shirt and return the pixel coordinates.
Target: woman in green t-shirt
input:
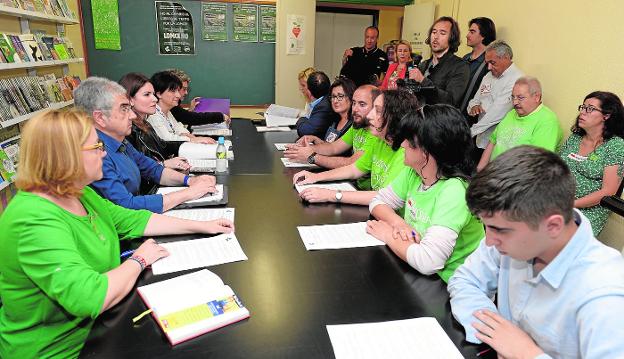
(59, 252)
(383, 158)
(595, 154)
(437, 231)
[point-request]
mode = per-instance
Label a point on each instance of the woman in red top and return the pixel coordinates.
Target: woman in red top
(398, 70)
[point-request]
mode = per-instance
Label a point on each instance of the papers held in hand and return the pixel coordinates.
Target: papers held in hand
(277, 115)
(202, 151)
(193, 304)
(208, 198)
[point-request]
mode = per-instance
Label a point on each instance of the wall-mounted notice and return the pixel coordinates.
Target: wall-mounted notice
(175, 29)
(105, 14)
(214, 21)
(267, 23)
(245, 22)
(296, 35)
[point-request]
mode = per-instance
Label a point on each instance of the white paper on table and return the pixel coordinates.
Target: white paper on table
(409, 338)
(336, 236)
(282, 146)
(213, 132)
(340, 186)
(197, 253)
(202, 214)
(211, 126)
(208, 198)
(272, 129)
(288, 163)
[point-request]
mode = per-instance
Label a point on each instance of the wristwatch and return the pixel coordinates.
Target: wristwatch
(338, 196)
(311, 158)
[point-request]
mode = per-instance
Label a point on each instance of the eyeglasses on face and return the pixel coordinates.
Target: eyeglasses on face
(513, 98)
(99, 145)
(338, 97)
(588, 109)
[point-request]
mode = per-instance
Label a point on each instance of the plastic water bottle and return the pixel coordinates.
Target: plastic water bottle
(221, 155)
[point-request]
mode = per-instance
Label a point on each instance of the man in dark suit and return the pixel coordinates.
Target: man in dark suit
(322, 115)
(446, 73)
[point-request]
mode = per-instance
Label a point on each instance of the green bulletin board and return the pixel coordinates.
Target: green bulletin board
(105, 17)
(244, 72)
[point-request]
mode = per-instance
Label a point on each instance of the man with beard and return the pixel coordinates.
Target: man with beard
(444, 71)
(529, 123)
(312, 149)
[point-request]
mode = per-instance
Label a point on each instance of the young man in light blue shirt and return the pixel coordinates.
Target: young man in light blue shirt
(560, 292)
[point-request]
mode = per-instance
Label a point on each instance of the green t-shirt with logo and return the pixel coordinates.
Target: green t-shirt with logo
(381, 162)
(53, 266)
(444, 204)
(540, 128)
(359, 139)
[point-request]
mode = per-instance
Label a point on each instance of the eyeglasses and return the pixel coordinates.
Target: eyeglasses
(99, 145)
(338, 97)
(588, 109)
(513, 98)
(125, 108)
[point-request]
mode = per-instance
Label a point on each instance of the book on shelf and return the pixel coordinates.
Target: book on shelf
(7, 168)
(11, 149)
(32, 47)
(190, 305)
(6, 46)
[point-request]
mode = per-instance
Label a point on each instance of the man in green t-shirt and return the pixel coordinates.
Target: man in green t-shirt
(529, 123)
(311, 149)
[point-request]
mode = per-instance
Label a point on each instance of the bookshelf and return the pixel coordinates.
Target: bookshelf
(19, 119)
(32, 65)
(11, 71)
(34, 15)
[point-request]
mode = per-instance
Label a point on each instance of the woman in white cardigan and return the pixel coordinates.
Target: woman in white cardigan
(166, 88)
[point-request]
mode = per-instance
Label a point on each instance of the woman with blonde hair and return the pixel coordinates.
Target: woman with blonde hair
(59, 252)
(303, 87)
(399, 69)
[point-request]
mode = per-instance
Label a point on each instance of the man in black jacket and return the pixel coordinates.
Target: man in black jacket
(444, 71)
(322, 115)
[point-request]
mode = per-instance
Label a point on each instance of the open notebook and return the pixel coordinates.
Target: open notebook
(193, 304)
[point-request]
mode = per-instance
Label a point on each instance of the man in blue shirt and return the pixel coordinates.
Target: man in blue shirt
(560, 292)
(322, 115)
(124, 166)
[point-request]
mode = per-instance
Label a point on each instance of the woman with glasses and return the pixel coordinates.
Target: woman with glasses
(437, 231)
(595, 154)
(383, 158)
(143, 137)
(341, 97)
(59, 252)
(399, 69)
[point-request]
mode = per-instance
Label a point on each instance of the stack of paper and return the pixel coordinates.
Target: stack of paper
(212, 129)
(409, 338)
(208, 198)
(202, 151)
(336, 236)
(197, 253)
(204, 165)
(272, 129)
(277, 115)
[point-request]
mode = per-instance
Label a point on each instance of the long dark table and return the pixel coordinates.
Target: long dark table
(292, 294)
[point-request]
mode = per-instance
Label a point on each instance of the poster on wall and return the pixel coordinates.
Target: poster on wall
(174, 25)
(295, 44)
(245, 22)
(105, 14)
(214, 21)
(416, 21)
(267, 23)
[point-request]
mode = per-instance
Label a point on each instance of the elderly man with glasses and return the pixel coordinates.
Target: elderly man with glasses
(529, 123)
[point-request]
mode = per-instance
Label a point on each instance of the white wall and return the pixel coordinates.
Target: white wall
(287, 67)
